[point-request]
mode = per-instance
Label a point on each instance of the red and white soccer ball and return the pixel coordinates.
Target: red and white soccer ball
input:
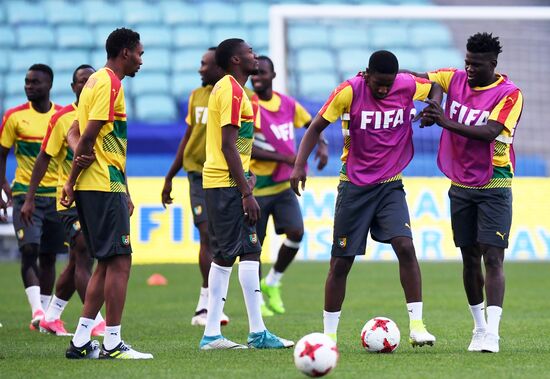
(315, 354)
(380, 335)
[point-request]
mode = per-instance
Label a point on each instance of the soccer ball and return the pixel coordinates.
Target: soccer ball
(315, 354)
(380, 335)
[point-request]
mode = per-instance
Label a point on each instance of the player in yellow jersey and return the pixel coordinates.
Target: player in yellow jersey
(59, 144)
(273, 154)
(103, 204)
(25, 126)
(231, 206)
(191, 155)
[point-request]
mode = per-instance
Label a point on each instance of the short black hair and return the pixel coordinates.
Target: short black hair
(44, 68)
(82, 66)
(121, 38)
(484, 43)
(383, 62)
(212, 48)
(268, 60)
(225, 50)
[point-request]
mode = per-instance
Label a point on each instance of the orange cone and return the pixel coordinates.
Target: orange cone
(157, 280)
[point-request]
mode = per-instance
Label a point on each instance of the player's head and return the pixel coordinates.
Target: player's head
(209, 71)
(38, 82)
(381, 73)
(235, 54)
(482, 50)
(80, 77)
(124, 45)
(263, 79)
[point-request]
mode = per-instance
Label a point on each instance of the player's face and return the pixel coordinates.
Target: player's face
(379, 84)
(133, 60)
(480, 68)
(209, 71)
(37, 85)
(81, 77)
(248, 58)
(263, 79)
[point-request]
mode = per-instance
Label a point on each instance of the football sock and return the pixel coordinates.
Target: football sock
(33, 295)
(83, 331)
(218, 284)
(330, 322)
(250, 284)
(415, 310)
(478, 313)
(273, 277)
(55, 308)
(98, 319)
(493, 319)
(112, 337)
(45, 301)
(203, 300)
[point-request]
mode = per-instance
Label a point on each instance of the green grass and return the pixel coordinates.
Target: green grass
(157, 320)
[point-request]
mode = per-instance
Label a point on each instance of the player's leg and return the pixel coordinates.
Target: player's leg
(335, 293)
(464, 225)
(288, 220)
(266, 209)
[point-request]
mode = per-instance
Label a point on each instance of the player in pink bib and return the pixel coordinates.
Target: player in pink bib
(377, 111)
(481, 113)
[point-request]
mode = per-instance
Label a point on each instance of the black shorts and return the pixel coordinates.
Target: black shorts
(380, 209)
(105, 221)
(481, 216)
(284, 208)
(47, 229)
(230, 234)
(196, 195)
(71, 224)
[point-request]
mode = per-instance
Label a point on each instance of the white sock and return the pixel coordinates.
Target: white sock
(83, 332)
(250, 284)
(203, 300)
(45, 301)
(55, 308)
(478, 313)
(330, 322)
(218, 284)
(493, 319)
(98, 319)
(33, 295)
(415, 310)
(112, 337)
(273, 277)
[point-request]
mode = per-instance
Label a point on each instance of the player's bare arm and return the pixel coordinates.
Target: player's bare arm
(85, 147)
(264, 155)
(73, 135)
(38, 172)
(309, 141)
(436, 94)
(177, 164)
(3, 159)
(234, 163)
(487, 133)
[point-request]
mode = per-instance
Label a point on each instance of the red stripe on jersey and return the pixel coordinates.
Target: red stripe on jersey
(333, 95)
(115, 89)
(421, 80)
(53, 123)
(120, 114)
(508, 106)
(58, 107)
(449, 69)
(11, 111)
(237, 98)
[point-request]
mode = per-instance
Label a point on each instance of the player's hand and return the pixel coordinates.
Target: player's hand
(298, 175)
(166, 192)
(130, 205)
(251, 210)
(85, 161)
(424, 120)
(26, 211)
(7, 190)
(433, 111)
(321, 155)
(67, 195)
(4, 210)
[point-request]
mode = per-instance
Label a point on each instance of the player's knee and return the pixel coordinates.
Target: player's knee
(29, 254)
(404, 249)
(47, 260)
(340, 266)
(493, 261)
(294, 237)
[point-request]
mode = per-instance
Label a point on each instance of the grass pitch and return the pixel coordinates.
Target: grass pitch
(157, 320)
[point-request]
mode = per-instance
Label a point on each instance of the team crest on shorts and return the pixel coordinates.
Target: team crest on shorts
(20, 234)
(197, 210)
(253, 238)
(342, 242)
(76, 226)
(125, 240)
